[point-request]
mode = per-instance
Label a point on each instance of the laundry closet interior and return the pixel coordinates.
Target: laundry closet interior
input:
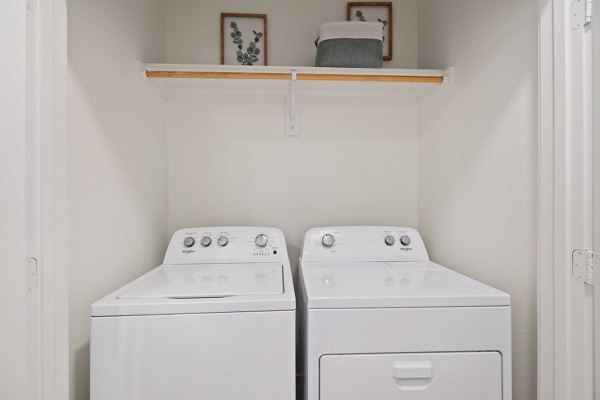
(456, 159)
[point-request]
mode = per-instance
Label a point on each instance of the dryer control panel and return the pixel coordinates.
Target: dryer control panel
(363, 243)
(229, 244)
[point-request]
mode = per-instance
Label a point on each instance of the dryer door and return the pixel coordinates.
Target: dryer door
(422, 376)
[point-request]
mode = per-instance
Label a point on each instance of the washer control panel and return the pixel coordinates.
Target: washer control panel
(364, 243)
(226, 244)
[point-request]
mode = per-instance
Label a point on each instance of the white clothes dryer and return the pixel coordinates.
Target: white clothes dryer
(215, 321)
(381, 321)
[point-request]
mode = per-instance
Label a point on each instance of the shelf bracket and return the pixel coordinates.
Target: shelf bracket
(293, 127)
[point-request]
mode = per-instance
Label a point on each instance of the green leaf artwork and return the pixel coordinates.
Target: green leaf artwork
(250, 56)
(359, 14)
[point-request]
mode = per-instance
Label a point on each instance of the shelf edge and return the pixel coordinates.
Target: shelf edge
(300, 76)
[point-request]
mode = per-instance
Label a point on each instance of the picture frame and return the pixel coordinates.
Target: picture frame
(371, 12)
(243, 39)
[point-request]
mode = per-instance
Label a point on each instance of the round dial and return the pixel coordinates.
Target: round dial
(389, 240)
(405, 240)
(328, 240)
(222, 241)
(261, 240)
(189, 241)
(205, 241)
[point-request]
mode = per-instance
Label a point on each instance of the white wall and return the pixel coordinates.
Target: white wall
(117, 164)
(194, 36)
(13, 249)
(478, 155)
(230, 163)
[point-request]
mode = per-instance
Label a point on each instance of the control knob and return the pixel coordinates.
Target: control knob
(205, 241)
(389, 240)
(189, 241)
(328, 240)
(405, 240)
(261, 240)
(222, 241)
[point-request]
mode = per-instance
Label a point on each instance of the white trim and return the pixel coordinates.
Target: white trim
(596, 179)
(552, 203)
(546, 207)
(565, 365)
(578, 300)
(32, 198)
(53, 200)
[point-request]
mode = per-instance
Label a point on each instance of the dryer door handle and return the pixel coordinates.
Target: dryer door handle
(412, 370)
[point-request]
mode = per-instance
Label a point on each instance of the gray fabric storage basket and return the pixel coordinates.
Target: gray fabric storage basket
(350, 53)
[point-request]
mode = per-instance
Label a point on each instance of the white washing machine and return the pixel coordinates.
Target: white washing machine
(383, 322)
(216, 321)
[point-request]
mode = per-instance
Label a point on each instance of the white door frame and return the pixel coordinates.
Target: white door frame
(551, 127)
(51, 39)
(565, 306)
(14, 365)
(34, 362)
(596, 179)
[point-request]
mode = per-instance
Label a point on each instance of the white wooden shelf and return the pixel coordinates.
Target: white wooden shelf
(178, 81)
(175, 71)
(173, 79)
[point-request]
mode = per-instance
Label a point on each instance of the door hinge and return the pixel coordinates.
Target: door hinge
(31, 274)
(586, 267)
(581, 13)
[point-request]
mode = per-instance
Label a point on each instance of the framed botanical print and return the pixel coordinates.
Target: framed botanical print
(373, 12)
(243, 39)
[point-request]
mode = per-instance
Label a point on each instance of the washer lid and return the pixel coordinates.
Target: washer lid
(203, 289)
(208, 281)
(401, 284)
